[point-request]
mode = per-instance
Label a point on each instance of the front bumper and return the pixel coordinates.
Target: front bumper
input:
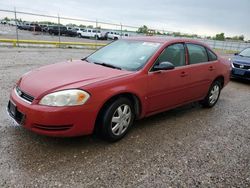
(54, 121)
(240, 73)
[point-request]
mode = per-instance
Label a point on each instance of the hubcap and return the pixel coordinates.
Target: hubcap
(214, 94)
(121, 119)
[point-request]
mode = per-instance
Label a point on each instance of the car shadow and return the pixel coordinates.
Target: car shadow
(29, 148)
(240, 80)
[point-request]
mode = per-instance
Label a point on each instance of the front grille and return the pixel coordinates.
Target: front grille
(16, 114)
(241, 66)
(52, 127)
(24, 95)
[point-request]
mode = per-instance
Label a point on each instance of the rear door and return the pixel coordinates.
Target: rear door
(202, 70)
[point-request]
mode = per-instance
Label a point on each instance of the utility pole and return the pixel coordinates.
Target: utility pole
(59, 31)
(16, 26)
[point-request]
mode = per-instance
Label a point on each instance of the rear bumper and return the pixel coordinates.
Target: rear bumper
(56, 121)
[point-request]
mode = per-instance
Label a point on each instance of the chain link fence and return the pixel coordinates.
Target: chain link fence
(38, 27)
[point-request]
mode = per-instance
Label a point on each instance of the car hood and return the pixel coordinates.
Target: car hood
(241, 60)
(67, 75)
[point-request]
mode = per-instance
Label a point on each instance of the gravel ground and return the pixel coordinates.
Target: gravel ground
(185, 147)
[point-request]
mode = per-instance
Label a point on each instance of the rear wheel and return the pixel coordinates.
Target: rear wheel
(213, 95)
(116, 119)
(79, 35)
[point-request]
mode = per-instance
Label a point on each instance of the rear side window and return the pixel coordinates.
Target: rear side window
(211, 55)
(197, 54)
(174, 54)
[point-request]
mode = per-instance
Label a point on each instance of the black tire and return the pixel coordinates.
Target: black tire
(105, 124)
(116, 38)
(208, 102)
(79, 35)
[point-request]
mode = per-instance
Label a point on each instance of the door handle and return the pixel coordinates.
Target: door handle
(184, 74)
(211, 68)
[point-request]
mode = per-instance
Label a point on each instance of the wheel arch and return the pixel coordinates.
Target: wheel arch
(135, 99)
(221, 79)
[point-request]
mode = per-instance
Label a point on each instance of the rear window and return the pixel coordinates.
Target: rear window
(197, 54)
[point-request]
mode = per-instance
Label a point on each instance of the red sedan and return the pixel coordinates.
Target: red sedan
(126, 80)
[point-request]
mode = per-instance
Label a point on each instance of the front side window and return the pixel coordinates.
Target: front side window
(125, 54)
(174, 54)
(197, 54)
(211, 55)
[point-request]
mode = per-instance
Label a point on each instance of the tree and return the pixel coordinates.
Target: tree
(82, 25)
(241, 37)
(237, 38)
(159, 33)
(6, 19)
(72, 25)
(90, 26)
(143, 29)
(220, 36)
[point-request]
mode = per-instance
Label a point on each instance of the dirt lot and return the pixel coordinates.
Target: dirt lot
(186, 147)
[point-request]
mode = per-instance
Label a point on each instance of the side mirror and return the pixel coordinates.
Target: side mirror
(164, 66)
(236, 54)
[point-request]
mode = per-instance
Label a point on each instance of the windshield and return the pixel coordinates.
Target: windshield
(245, 53)
(125, 54)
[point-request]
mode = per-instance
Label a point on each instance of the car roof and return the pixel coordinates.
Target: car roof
(164, 40)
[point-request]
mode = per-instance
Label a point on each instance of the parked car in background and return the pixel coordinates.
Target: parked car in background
(113, 35)
(119, 83)
(43, 27)
(79, 31)
(3, 22)
(71, 32)
(13, 22)
(91, 33)
(25, 26)
(35, 27)
(241, 64)
(55, 30)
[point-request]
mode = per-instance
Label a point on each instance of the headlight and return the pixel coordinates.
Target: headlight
(231, 62)
(72, 97)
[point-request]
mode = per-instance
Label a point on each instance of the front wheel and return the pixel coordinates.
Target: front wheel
(116, 119)
(213, 95)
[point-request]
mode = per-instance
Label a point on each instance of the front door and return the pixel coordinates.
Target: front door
(167, 88)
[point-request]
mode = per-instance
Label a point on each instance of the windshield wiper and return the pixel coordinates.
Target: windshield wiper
(85, 59)
(108, 65)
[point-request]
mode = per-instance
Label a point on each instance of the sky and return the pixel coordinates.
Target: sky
(203, 17)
